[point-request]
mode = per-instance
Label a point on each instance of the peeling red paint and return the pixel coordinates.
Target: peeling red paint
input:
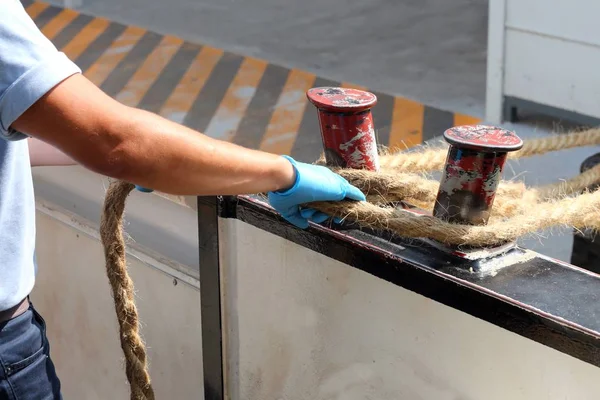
(347, 128)
(472, 172)
(483, 138)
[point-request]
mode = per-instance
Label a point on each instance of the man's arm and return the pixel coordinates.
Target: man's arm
(44, 95)
(42, 154)
(143, 148)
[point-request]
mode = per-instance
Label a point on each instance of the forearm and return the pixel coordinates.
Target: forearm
(171, 158)
(145, 149)
(42, 154)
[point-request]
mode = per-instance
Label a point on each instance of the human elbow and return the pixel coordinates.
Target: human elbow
(121, 148)
(111, 153)
(115, 163)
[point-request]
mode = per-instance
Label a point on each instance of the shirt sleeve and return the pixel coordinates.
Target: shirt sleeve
(30, 65)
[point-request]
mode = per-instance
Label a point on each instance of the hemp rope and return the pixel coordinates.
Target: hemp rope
(511, 197)
(434, 159)
(111, 234)
(518, 211)
(386, 187)
(580, 212)
(514, 214)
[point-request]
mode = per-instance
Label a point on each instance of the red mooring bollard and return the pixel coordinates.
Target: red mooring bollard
(347, 128)
(472, 172)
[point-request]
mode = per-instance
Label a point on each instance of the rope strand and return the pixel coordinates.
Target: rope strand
(580, 212)
(111, 234)
(512, 198)
(434, 159)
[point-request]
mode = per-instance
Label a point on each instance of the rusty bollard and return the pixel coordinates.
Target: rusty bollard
(347, 128)
(473, 170)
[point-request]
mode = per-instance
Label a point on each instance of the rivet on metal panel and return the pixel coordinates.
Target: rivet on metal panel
(473, 169)
(347, 128)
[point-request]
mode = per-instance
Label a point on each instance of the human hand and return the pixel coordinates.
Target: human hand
(313, 183)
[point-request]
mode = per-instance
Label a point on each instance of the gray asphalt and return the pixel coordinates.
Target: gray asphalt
(432, 51)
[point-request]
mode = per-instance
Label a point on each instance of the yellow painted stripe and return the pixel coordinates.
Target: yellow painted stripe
(36, 9)
(180, 101)
(98, 72)
(285, 122)
(349, 85)
(149, 71)
(407, 124)
(87, 35)
(226, 120)
(58, 23)
(462, 119)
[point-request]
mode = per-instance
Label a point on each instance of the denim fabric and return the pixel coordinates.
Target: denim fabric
(26, 370)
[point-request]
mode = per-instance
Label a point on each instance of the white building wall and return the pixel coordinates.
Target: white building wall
(545, 52)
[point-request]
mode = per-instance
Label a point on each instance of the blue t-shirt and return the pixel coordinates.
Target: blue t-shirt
(30, 65)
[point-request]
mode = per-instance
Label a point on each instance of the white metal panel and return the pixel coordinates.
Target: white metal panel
(495, 61)
(73, 294)
(303, 326)
(574, 20)
(552, 72)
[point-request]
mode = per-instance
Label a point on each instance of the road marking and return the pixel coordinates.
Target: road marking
(350, 85)
(407, 124)
(226, 120)
(36, 9)
(58, 23)
(435, 122)
(100, 70)
(181, 100)
(283, 127)
(149, 71)
(233, 98)
(81, 41)
(260, 110)
(169, 77)
(462, 119)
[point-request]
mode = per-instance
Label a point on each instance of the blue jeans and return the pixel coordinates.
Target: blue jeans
(26, 370)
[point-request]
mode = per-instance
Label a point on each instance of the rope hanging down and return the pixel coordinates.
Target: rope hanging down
(111, 234)
(518, 211)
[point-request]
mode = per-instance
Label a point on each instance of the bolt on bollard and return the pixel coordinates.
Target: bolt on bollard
(473, 170)
(346, 125)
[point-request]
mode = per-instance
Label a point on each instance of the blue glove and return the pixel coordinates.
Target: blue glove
(313, 183)
(143, 189)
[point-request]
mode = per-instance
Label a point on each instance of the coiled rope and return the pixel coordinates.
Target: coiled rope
(517, 211)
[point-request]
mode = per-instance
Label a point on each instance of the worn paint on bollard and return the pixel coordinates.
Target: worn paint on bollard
(473, 170)
(347, 128)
